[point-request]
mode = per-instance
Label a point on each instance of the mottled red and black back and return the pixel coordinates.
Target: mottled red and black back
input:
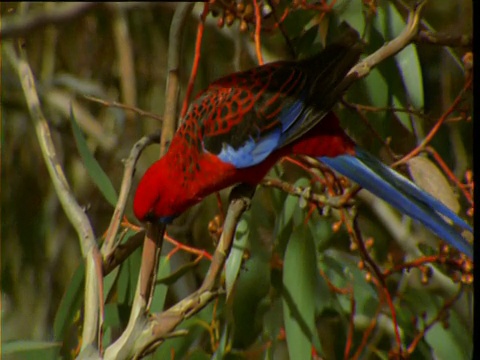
(244, 105)
(245, 116)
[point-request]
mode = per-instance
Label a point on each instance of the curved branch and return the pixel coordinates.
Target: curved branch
(427, 37)
(363, 68)
(108, 246)
(162, 325)
(173, 83)
(125, 346)
(22, 24)
(74, 212)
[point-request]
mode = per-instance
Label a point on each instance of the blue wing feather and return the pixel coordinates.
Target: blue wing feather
(254, 151)
(251, 152)
(398, 191)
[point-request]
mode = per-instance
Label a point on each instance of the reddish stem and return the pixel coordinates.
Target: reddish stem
(196, 59)
(449, 173)
(437, 126)
(258, 28)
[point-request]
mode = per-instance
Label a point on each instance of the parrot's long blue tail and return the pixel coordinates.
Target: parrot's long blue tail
(382, 181)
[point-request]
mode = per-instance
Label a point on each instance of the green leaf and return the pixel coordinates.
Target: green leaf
(429, 178)
(389, 23)
(352, 12)
(93, 168)
(170, 278)
(296, 22)
(160, 295)
(445, 345)
(273, 324)
(235, 258)
(29, 349)
(109, 281)
(250, 301)
(198, 355)
(70, 304)
(403, 117)
(407, 60)
(299, 294)
(304, 45)
(345, 272)
(196, 327)
(224, 344)
(111, 316)
(127, 279)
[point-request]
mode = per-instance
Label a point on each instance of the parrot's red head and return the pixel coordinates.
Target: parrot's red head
(153, 201)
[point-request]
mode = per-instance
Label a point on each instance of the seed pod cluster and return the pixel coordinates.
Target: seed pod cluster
(228, 11)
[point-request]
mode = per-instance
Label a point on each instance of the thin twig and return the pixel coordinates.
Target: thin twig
(307, 194)
(437, 126)
(351, 327)
(355, 233)
(121, 253)
(162, 324)
(152, 246)
(108, 246)
(427, 37)
(258, 28)
(76, 215)
(279, 23)
(127, 345)
(408, 242)
(125, 107)
(22, 24)
(196, 59)
(65, 102)
(437, 318)
(391, 48)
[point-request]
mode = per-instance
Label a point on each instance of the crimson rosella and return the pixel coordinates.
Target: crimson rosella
(242, 124)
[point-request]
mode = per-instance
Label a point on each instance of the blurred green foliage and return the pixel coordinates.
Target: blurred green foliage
(295, 258)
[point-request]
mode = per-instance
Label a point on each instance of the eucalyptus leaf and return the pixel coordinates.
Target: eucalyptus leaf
(94, 170)
(299, 295)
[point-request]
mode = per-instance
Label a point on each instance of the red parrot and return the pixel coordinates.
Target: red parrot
(242, 124)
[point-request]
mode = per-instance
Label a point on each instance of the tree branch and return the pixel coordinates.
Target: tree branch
(76, 215)
(153, 241)
(427, 37)
(161, 325)
(363, 68)
(22, 24)
(109, 246)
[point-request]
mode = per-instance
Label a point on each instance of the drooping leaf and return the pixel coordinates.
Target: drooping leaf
(30, 349)
(70, 304)
(299, 295)
(161, 290)
(224, 343)
(235, 257)
(407, 59)
(93, 168)
(428, 177)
